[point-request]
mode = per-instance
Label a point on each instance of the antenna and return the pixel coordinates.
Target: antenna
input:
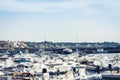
(45, 38)
(77, 38)
(77, 42)
(44, 43)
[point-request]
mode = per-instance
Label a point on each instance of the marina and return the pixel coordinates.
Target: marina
(52, 66)
(59, 40)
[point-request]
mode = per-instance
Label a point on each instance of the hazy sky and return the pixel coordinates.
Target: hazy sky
(60, 20)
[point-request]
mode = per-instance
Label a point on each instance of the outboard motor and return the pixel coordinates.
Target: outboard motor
(110, 67)
(58, 72)
(45, 74)
(74, 71)
(98, 69)
(117, 70)
(44, 70)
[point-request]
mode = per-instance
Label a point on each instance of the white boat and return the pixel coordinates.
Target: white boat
(111, 75)
(84, 75)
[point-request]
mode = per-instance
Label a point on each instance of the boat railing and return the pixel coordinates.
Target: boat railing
(3, 77)
(22, 76)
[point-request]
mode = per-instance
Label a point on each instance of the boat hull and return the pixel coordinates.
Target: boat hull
(111, 76)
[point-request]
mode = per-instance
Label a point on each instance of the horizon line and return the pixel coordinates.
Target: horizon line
(63, 41)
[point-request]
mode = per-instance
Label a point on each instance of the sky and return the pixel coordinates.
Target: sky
(60, 20)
